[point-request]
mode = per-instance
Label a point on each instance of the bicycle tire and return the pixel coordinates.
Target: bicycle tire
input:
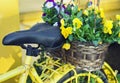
(71, 73)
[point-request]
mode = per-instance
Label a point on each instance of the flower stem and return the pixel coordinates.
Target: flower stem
(61, 2)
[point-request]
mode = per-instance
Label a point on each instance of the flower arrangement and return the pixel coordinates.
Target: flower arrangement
(51, 12)
(85, 25)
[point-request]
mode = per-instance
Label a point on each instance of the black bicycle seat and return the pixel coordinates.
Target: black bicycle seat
(41, 33)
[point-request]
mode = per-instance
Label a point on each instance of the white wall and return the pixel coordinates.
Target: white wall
(30, 5)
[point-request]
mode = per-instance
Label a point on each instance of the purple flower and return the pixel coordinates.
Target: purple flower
(50, 3)
(68, 13)
(90, 3)
(57, 7)
(44, 14)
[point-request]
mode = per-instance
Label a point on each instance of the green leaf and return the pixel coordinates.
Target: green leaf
(79, 14)
(65, 16)
(68, 9)
(82, 39)
(98, 21)
(75, 9)
(118, 77)
(70, 37)
(82, 33)
(86, 20)
(97, 35)
(108, 40)
(95, 43)
(86, 27)
(92, 80)
(119, 41)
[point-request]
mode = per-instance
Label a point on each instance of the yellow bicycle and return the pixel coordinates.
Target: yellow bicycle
(48, 69)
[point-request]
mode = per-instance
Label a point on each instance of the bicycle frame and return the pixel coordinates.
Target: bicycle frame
(28, 69)
(24, 70)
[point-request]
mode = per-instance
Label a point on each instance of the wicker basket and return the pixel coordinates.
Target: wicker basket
(84, 56)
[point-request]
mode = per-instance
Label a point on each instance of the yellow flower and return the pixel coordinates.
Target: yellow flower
(118, 17)
(66, 31)
(102, 15)
(108, 25)
(77, 23)
(106, 30)
(103, 21)
(119, 34)
(79, 9)
(62, 22)
(85, 12)
(100, 42)
(66, 46)
(96, 10)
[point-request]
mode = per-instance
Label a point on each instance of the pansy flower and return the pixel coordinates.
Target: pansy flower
(66, 31)
(77, 23)
(108, 25)
(50, 3)
(89, 3)
(44, 14)
(66, 46)
(57, 7)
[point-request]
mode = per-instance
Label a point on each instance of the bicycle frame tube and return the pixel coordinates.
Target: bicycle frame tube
(24, 70)
(111, 75)
(27, 65)
(12, 73)
(34, 76)
(29, 71)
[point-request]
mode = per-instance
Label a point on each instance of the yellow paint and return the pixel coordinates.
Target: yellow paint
(29, 19)
(10, 56)
(12, 73)
(4, 63)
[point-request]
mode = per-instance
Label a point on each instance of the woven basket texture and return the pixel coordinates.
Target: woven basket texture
(83, 55)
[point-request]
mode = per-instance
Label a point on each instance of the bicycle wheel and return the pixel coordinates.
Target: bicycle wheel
(110, 74)
(79, 76)
(53, 71)
(105, 75)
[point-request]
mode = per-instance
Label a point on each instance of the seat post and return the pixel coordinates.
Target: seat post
(30, 53)
(27, 65)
